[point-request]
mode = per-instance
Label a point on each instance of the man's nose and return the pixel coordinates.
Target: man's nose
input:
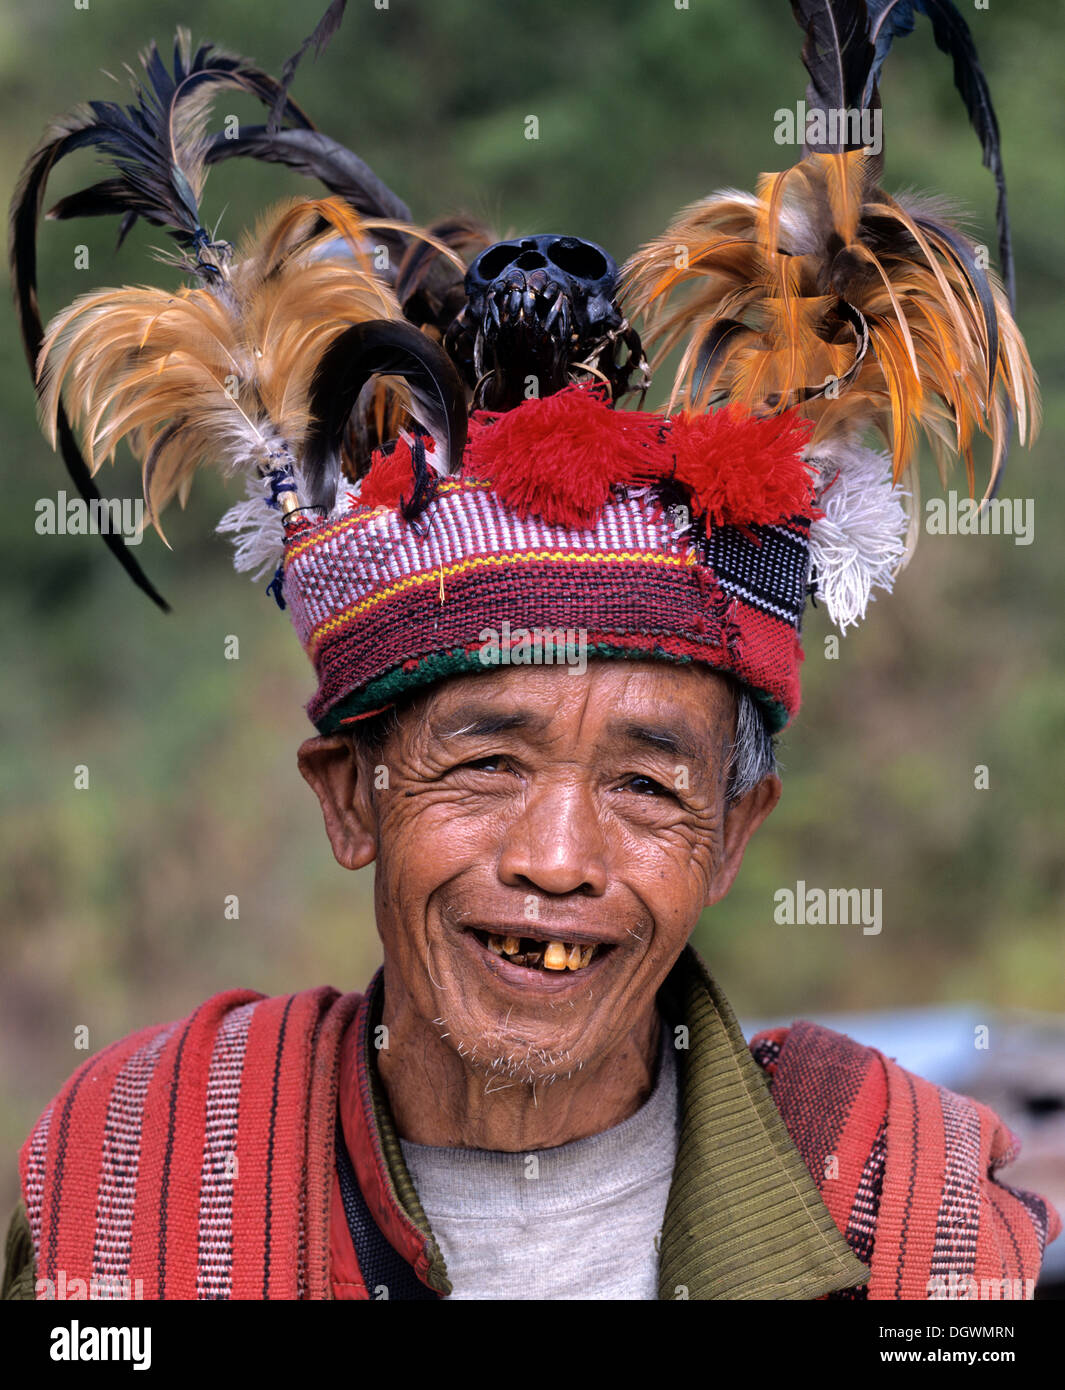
(557, 844)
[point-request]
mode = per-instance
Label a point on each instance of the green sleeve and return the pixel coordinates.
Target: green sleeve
(19, 1273)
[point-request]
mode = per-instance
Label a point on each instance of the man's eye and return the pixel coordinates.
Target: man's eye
(495, 763)
(647, 786)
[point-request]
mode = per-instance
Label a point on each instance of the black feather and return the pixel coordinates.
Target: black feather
(86, 486)
(894, 18)
(847, 42)
(380, 347)
(68, 135)
(98, 200)
(837, 54)
(888, 20)
(155, 172)
(310, 152)
(101, 200)
(952, 37)
(323, 32)
(150, 183)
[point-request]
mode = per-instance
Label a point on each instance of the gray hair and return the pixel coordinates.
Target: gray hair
(753, 754)
(751, 757)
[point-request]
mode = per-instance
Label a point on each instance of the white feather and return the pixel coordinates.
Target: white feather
(258, 529)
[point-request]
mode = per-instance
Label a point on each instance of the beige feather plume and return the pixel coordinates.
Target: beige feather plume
(220, 374)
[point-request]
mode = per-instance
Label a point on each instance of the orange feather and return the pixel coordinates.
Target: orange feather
(777, 265)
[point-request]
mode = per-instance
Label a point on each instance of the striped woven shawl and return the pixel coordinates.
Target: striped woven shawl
(907, 1170)
(196, 1160)
(193, 1160)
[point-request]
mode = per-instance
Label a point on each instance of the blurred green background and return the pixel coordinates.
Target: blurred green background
(114, 913)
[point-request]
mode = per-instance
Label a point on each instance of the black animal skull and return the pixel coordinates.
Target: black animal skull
(539, 307)
(543, 280)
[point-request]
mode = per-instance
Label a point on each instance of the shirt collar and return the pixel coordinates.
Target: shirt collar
(744, 1219)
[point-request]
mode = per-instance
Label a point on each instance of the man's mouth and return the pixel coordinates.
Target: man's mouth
(536, 954)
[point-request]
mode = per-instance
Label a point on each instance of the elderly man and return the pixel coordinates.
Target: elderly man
(543, 1094)
(554, 639)
(538, 876)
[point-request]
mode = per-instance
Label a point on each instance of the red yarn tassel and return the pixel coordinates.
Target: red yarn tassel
(559, 457)
(741, 470)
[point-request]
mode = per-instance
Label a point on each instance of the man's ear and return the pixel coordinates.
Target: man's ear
(330, 767)
(741, 821)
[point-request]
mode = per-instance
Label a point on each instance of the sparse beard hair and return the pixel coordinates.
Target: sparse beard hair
(522, 1066)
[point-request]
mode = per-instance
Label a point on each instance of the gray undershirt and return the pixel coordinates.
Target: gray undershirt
(586, 1227)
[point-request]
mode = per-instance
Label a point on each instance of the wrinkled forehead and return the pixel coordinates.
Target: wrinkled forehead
(689, 708)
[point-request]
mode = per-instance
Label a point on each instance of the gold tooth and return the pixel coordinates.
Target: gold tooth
(555, 956)
(574, 958)
(511, 945)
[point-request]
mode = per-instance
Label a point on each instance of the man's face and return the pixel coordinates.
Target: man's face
(545, 816)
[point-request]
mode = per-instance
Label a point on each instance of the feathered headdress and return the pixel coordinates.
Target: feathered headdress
(333, 360)
(861, 311)
(226, 368)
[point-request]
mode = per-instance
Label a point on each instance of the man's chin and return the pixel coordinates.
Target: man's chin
(505, 1063)
(514, 1033)
(521, 1024)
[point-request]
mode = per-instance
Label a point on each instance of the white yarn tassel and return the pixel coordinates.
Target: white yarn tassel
(860, 542)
